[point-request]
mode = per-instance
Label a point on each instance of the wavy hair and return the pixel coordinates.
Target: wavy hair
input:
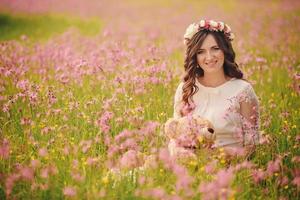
(192, 71)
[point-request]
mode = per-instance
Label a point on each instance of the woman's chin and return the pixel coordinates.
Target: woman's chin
(212, 69)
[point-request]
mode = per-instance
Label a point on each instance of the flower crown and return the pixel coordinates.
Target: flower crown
(210, 25)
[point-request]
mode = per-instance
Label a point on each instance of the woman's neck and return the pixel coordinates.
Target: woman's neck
(213, 80)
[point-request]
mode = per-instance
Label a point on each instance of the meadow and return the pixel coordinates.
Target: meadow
(86, 87)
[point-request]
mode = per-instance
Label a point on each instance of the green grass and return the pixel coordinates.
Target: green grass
(43, 27)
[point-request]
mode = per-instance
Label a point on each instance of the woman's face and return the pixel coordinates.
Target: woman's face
(210, 57)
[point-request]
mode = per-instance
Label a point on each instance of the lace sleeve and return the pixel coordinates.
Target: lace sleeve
(249, 110)
(177, 101)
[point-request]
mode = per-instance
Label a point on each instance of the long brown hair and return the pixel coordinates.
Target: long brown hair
(192, 71)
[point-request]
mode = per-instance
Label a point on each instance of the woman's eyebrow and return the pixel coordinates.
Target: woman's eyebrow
(210, 47)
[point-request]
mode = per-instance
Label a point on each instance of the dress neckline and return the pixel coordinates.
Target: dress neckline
(213, 89)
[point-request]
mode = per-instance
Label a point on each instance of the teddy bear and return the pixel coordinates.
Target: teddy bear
(188, 133)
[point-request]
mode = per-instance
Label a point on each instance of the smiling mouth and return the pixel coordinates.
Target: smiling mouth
(211, 63)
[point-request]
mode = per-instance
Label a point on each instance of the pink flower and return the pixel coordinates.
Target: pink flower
(142, 180)
(211, 167)
(157, 193)
(296, 175)
(23, 85)
(283, 181)
(296, 181)
(35, 164)
(69, 191)
(27, 173)
(53, 169)
(25, 121)
(149, 128)
(51, 97)
(273, 166)
(75, 163)
(220, 187)
(165, 156)
(49, 170)
(4, 149)
(43, 152)
(244, 165)
(86, 145)
(224, 177)
(5, 108)
(91, 161)
(66, 150)
(129, 144)
(33, 97)
(208, 190)
(77, 177)
(101, 193)
(175, 197)
(130, 159)
(123, 135)
(103, 121)
(45, 172)
(10, 181)
(258, 175)
(46, 130)
(44, 186)
(296, 159)
(183, 182)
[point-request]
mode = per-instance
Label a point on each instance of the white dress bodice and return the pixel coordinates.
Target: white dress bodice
(221, 105)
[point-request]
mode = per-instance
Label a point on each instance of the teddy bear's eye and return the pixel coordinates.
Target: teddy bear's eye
(211, 130)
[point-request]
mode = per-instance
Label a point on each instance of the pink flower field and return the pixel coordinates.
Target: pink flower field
(86, 87)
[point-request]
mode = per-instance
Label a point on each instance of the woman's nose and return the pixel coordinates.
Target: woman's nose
(208, 55)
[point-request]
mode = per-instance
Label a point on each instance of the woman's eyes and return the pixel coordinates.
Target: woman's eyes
(214, 48)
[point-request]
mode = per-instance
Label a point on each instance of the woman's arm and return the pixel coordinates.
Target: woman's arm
(249, 110)
(250, 120)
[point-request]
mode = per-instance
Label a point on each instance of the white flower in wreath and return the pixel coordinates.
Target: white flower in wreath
(202, 23)
(191, 30)
(213, 25)
(222, 25)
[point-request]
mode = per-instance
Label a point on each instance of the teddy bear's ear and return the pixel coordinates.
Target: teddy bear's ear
(208, 133)
(170, 127)
(202, 121)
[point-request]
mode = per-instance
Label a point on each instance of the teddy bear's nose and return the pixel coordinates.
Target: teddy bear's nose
(210, 130)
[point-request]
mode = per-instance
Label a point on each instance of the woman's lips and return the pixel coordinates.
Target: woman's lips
(211, 64)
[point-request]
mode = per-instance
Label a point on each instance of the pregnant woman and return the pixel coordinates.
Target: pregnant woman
(213, 86)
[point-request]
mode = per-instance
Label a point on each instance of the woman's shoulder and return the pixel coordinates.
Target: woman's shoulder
(180, 86)
(244, 89)
(241, 81)
(241, 84)
(179, 89)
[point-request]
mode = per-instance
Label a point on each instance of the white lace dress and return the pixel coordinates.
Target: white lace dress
(222, 106)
